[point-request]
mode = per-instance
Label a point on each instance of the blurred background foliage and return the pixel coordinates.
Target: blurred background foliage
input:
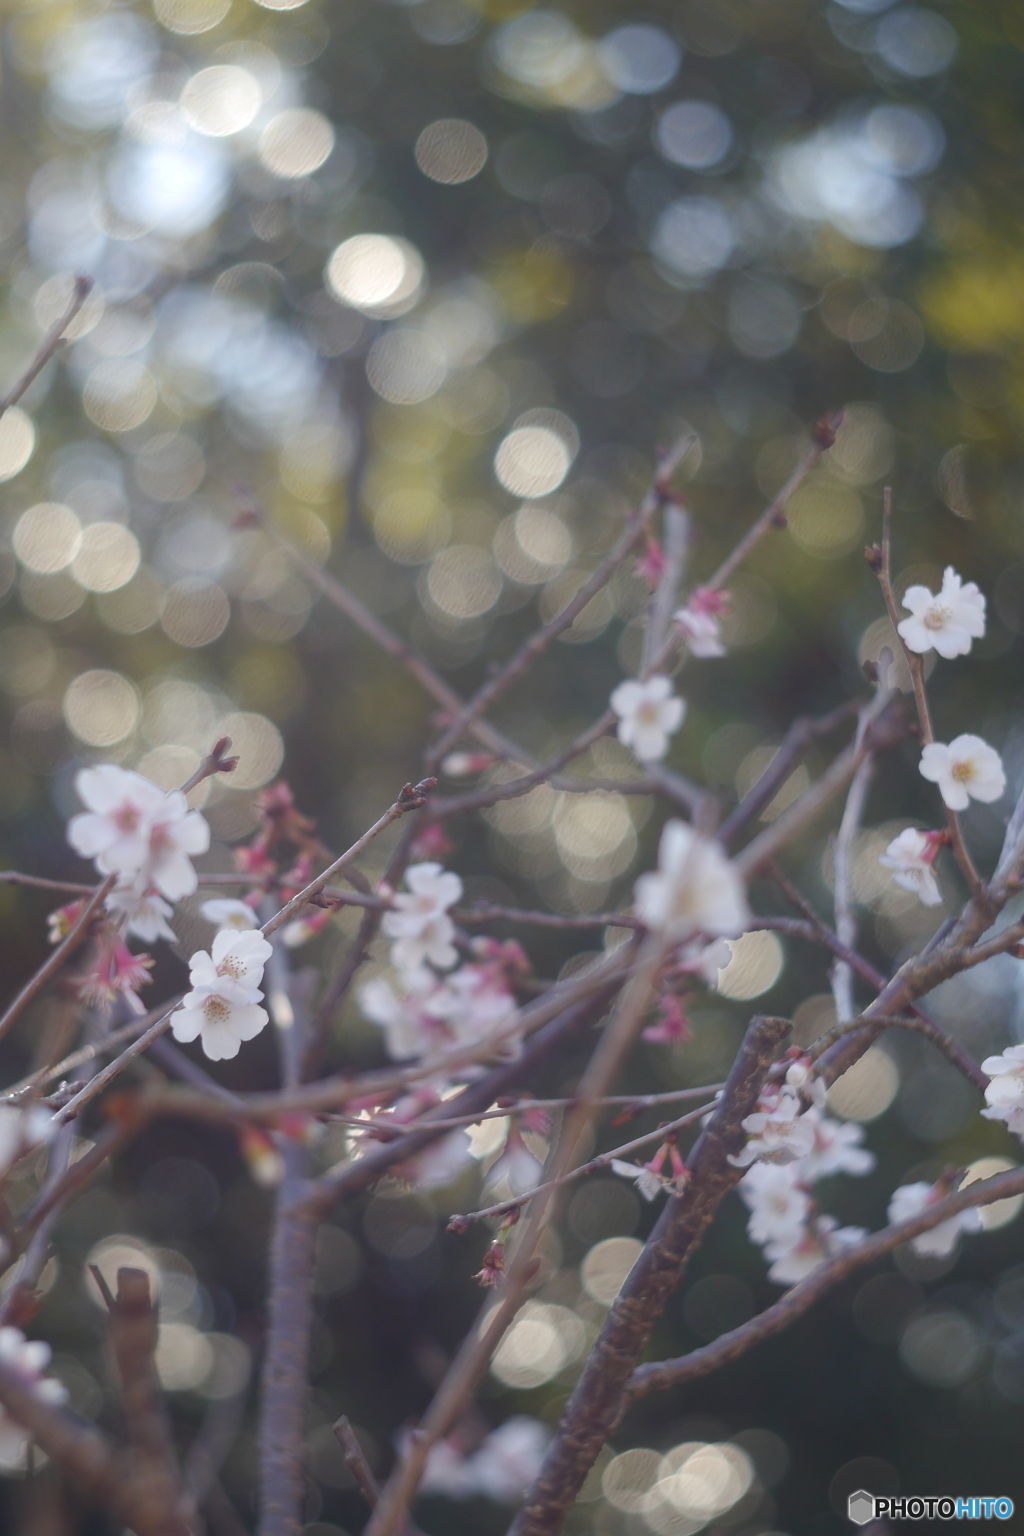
(431, 282)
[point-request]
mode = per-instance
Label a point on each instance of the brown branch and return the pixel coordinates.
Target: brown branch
(595, 1406)
(664, 1374)
(65, 949)
(133, 1339)
(360, 1468)
(15, 877)
(216, 761)
(49, 346)
(772, 516)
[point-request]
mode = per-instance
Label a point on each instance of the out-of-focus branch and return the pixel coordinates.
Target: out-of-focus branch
(885, 728)
(49, 346)
(596, 1404)
(800, 736)
(664, 1374)
(65, 949)
(675, 547)
(846, 922)
(477, 1347)
(133, 1340)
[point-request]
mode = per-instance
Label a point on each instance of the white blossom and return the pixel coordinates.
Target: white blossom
(649, 712)
(408, 1031)
(448, 1472)
(27, 1358)
(648, 1183)
(694, 890)
(509, 1459)
(1004, 1096)
(133, 828)
(836, 1149)
(778, 1204)
(420, 924)
(225, 912)
(143, 912)
(912, 1200)
(780, 1132)
(222, 1009)
(441, 1164)
(474, 1003)
(702, 630)
(21, 1129)
(947, 621)
(967, 769)
(803, 1079)
(911, 856)
(822, 1240)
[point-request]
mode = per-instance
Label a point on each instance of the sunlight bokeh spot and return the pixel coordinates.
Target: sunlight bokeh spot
(17, 440)
(107, 557)
(221, 100)
(451, 150)
(379, 275)
(756, 965)
(47, 537)
(101, 707)
(296, 142)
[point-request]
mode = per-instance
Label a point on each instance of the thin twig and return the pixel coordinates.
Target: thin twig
(460, 1222)
(846, 922)
(49, 346)
(65, 949)
(800, 736)
(215, 761)
(675, 547)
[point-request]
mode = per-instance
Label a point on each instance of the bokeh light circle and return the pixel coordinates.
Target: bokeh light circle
(107, 558)
(296, 142)
(101, 707)
(380, 275)
(47, 537)
(756, 965)
(532, 461)
(220, 100)
(17, 441)
(451, 150)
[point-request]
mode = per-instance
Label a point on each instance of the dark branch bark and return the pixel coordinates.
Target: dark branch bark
(596, 1404)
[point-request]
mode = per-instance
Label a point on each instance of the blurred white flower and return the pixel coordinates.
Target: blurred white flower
(780, 1132)
(947, 621)
(420, 924)
(648, 1183)
(695, 888)
(1004, 1096)
(649, 712)
(26, 1358)
(21, 1129)
(224, 912)
(967, 769)
(509, 1459)
(912, 1200)
(911, 856)
(133, 828)
(778, 1205)
(700, 621)
(408, 1031)
(824, 1239)
(802, 1078)
(222, 1009)
(144, 913)
(837, 1148)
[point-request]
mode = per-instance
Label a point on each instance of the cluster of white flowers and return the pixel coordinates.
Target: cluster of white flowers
(502, 1467)
(964, 769)
(911, 1200)
(419, 924)
(143, 835)
(223, 1009)
(791, 1143)
(27, 1358)
(648, 709)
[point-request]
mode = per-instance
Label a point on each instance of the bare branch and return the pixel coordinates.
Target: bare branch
(50, 344)
(800, 736)
(216, 761)
(65, 949)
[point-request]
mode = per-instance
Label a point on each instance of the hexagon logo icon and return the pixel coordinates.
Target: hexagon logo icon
(860, 1506)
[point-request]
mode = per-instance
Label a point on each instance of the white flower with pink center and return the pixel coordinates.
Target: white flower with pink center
(222, 1008)
(965, 770)
(947, 621)
(1004, 1096)
(823, 1239)
(778, 1203)
(649, 712)
(143, 913)
(226, 912)
(134, 829)
(419, 923)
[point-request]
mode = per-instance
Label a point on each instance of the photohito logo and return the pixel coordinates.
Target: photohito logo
(863, 1506)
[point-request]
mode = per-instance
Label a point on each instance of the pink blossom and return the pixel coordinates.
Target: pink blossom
(672, 1027)
(114, 971)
